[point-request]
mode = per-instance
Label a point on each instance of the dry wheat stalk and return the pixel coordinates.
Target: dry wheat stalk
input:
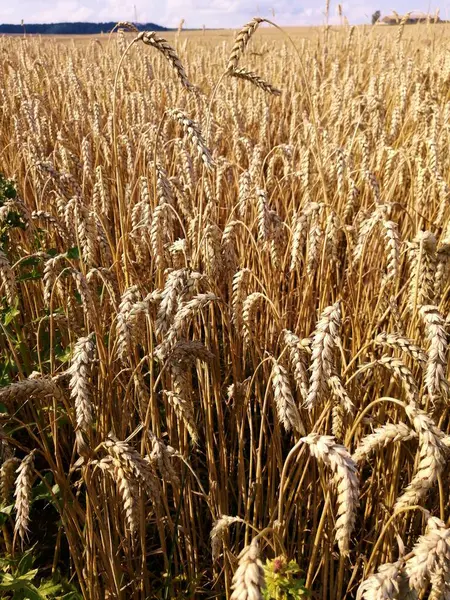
(337, 457)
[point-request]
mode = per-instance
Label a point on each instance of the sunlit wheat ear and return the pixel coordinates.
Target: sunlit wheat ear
(241, 280)
(179, 287)
(241, 41)
(432, 457)
(346, 480)
(22, 391)
(381, 437)
(287, 410)
(80, 374)
(250, 309)
(162, 454)
(399, 342)
(183, 408)
(22, 494)
(128, 490)
(431, 560)
(152, 39)
(299, 237)
(160, 220)
(218, 531)
(186, 312)
(403, 374)
(193, 133)
(263, 216)
(85, 295)
(125, 324)
(248, 580)
(392, 237)
(435, 378)
(129, 493)
(340, 394)
(367, 227)
(7, 278)
(325, 338)
(7, 477)
(442, 269)
(135, 467)
(256, 80)
(382, 585)
(422, 266)
(126, 25)
(298, 361)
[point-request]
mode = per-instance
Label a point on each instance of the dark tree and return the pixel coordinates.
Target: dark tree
(376, 17)
(72, 28)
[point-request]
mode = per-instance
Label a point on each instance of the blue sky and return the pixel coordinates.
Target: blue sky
(212, 13)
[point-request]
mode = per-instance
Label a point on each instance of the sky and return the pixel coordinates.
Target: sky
(212, 13)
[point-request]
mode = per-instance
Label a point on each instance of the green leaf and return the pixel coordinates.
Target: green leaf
(5, 513)
(50, 588)
(73, 253)
(10, 315)
(41, 490)
(25, 564)
(64, 354)
(32, 275)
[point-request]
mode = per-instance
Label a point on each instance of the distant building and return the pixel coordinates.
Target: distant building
(414, 17)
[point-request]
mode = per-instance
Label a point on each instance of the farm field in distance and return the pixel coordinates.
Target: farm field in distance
(225, 314)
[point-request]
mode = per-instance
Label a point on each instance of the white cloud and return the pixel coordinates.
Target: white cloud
(212, 13)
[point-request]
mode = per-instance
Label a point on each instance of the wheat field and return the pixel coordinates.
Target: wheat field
(225, 314)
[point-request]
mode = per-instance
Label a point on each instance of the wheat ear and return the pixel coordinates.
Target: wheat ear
(248, 580)
(346, 479)
(324, 342)
(22, 494)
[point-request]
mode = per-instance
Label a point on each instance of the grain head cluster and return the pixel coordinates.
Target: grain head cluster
(225, 311)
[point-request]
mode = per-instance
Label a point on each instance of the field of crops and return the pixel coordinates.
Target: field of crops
(225, 315)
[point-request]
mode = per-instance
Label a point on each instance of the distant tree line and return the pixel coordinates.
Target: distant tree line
(72, 28)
